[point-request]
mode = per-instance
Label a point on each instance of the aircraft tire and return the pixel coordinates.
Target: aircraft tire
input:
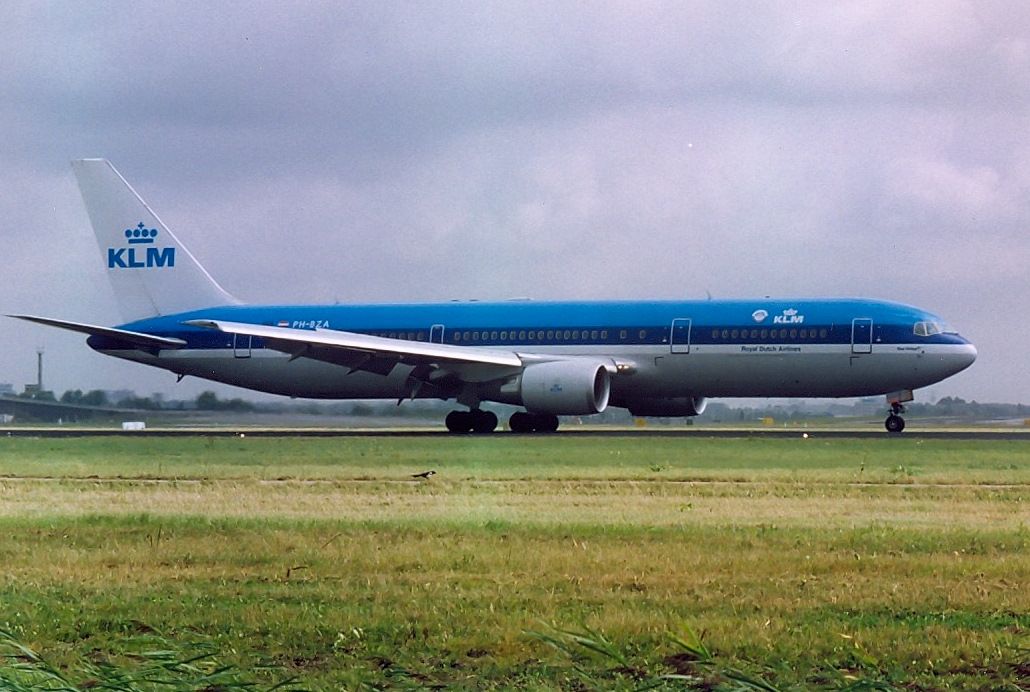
(483, 421)
(546, 423)
(520, 422)
(894, 423)
(459, 421)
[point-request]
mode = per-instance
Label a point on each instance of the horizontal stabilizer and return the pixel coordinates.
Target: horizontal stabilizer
(133, 338)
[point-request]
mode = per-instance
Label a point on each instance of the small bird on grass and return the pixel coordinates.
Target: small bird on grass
(424, 474)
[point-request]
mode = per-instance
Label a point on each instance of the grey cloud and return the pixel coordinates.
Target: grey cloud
(427, 151)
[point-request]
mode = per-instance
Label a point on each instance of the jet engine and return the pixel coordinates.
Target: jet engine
(565, 387)
(670, 407)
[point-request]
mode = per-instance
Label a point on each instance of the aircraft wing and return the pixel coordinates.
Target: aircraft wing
(377, 354)
(139, 339)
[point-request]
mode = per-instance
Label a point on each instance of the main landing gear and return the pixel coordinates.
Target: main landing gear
(474, 421)
(895, 423)
(480, 421)
(521, 422)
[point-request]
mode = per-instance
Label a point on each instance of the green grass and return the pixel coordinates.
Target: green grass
(567, 457)
(539, 563)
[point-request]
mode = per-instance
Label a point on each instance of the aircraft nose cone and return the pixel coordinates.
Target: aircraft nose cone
(964, 357)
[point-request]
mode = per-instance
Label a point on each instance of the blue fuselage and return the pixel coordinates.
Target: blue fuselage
(753, 348)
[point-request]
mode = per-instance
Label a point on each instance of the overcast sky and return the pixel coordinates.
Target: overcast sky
(319, 152)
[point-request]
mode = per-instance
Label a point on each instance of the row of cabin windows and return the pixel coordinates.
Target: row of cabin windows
(523, 336)
(407, 336)
(757, 334)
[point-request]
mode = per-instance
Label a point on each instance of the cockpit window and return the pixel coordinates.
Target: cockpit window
(932, 328)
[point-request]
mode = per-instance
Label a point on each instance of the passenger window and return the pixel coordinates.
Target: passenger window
(804, 334)
(765, 333)
(457, 336)
(466, 336)
(622, 334)
(568, 334)
(734, 334)
(522, 335)
(493, 336)
(793, 334)
(550, 335)
(823, 333)
(575, 335)
(643, 334)
(725, 334)
(475, 336)
(604, 335)
(593, 335)
(715, 333)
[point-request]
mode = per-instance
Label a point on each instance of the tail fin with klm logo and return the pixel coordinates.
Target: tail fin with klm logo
(151, 271)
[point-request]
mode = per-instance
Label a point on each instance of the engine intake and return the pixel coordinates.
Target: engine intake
(566, 387)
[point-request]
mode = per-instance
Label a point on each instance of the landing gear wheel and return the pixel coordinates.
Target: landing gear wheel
(894, 423)
(483, 421)
(521, 422)
(458, 421)
(547, 423)
(476, 421)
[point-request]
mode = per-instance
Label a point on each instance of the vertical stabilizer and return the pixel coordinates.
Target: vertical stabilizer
(151, 271)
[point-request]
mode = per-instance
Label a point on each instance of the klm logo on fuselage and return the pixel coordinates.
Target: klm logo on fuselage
(789, 316)
(140, 254)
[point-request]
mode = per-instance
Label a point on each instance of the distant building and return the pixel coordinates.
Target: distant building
(6, 388)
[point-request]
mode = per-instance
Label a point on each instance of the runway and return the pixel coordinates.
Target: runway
(1017, 434)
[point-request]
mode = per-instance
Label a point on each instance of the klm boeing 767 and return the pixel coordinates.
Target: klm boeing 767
(655, 358)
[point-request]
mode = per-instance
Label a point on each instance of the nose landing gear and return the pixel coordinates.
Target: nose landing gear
(895, 423)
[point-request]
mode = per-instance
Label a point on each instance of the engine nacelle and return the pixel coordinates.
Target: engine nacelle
(669, 408)
(565, 387)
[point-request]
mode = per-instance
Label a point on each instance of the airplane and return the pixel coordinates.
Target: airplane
(655, 358)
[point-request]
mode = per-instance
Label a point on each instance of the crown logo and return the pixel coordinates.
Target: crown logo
(141, 235)
(759, 315)
(790, 312)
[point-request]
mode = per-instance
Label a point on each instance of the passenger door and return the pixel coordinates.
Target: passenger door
(862, 335)
(679, 335)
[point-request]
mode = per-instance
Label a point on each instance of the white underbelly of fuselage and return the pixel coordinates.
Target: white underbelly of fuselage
(712, 371)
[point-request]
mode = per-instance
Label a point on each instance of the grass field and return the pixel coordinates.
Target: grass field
(565, 562)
